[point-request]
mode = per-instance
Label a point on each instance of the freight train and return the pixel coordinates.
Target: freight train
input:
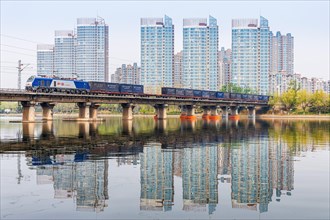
(72, 86)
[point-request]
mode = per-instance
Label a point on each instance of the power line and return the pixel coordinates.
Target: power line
(19, 53)
(18, 47)
(17, 38)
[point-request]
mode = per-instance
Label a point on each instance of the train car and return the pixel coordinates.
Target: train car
(213, 94)
(179, 92)
(103, 87)
(197, 93)
(205, 94)
(168, 91)
(138, 89)
(44, 84)
(189, 92)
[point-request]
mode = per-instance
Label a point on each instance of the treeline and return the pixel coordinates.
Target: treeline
(298, 101)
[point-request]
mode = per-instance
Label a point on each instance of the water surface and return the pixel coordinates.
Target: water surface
(247, 169)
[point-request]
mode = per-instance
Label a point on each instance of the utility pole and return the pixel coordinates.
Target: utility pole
(20, 69)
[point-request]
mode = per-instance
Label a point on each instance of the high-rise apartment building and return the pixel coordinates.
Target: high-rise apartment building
(178, 67)
(251, 54)
(224, 67)
(200, 53)
(282, 60)
(45, 59)
(65, 54)
(83, 55)
(157, 53)
(127, 74)
(92, 62)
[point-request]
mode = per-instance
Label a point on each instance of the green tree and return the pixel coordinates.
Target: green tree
(303, 99)
(319, 101)
(288, 100)
(274, 102)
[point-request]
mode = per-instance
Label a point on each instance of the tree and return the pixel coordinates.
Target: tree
(303, 99)
(274, 102)
(288, 99)
(319, 101)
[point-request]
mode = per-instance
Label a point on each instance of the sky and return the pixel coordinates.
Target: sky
(24, 24)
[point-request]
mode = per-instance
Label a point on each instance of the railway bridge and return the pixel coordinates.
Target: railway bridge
(89, 104)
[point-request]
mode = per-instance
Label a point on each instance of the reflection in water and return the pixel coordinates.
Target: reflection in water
(254, 157)
(156, 170)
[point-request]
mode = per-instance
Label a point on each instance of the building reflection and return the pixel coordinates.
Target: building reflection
(157, 189)
(199, 178)
(85, 181)
(257, 168)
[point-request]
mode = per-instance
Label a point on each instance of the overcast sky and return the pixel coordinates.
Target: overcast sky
(24, 24)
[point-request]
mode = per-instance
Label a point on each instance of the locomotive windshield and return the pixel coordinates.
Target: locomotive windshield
(30, 79)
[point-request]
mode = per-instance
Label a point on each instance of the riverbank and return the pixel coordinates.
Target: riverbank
(295, 117)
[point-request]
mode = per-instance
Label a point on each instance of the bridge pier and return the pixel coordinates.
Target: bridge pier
(234, 112)
(47, 111)
(191, 111)
(84, 110)
(224, 110)
(161, 111)
(28, 111)
(127, 111)
(252, 112)
(206, 112)
(93, 111)
(214, 113)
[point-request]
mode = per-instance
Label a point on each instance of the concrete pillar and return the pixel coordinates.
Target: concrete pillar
(127, 111)
(83, 110)
(224, 110)
(206, 112)
(234, 110)
(190, 110)
(214, 110)
(47, 111)
(252, 112)
(28, 111)
(161, 111)
(93, 111)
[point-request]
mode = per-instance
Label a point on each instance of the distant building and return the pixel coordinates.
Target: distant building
(157, 53)
(92, 49)
(282, 60)
(83, 54)
(178, 69)
(224, 65)
(45, 59)
(65, 54)
(200, 53)
(127, 74)
(251, 54)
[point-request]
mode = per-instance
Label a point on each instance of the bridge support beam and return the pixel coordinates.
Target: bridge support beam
(252, 112)
(161, 111)
(47, 111)
(224, 110)
(28, 111)
(127, 111)
(84, 110)
(93, 111)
